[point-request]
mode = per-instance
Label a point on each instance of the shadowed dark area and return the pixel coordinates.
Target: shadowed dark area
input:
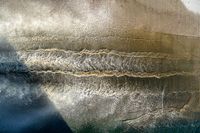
(24, 108)
(162, 126)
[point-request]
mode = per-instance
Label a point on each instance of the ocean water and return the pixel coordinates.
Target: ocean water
(25, 109)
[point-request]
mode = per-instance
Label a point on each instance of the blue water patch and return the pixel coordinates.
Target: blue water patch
(39, 116)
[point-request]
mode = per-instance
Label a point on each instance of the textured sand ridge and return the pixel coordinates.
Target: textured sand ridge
(103, 63)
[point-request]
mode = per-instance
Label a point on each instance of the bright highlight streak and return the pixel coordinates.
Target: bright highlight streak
(192, 5)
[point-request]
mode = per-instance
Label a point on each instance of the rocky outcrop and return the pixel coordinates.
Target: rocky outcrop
(105, 63)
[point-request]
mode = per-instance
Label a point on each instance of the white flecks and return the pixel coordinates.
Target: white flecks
(163, 94)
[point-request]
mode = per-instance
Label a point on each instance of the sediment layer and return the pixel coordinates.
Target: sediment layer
(97, 63)
(102, 62)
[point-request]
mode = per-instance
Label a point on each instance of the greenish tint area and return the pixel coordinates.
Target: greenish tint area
(120, 129)
(178, 126)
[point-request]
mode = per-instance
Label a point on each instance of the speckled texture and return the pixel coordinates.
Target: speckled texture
(106, 65)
